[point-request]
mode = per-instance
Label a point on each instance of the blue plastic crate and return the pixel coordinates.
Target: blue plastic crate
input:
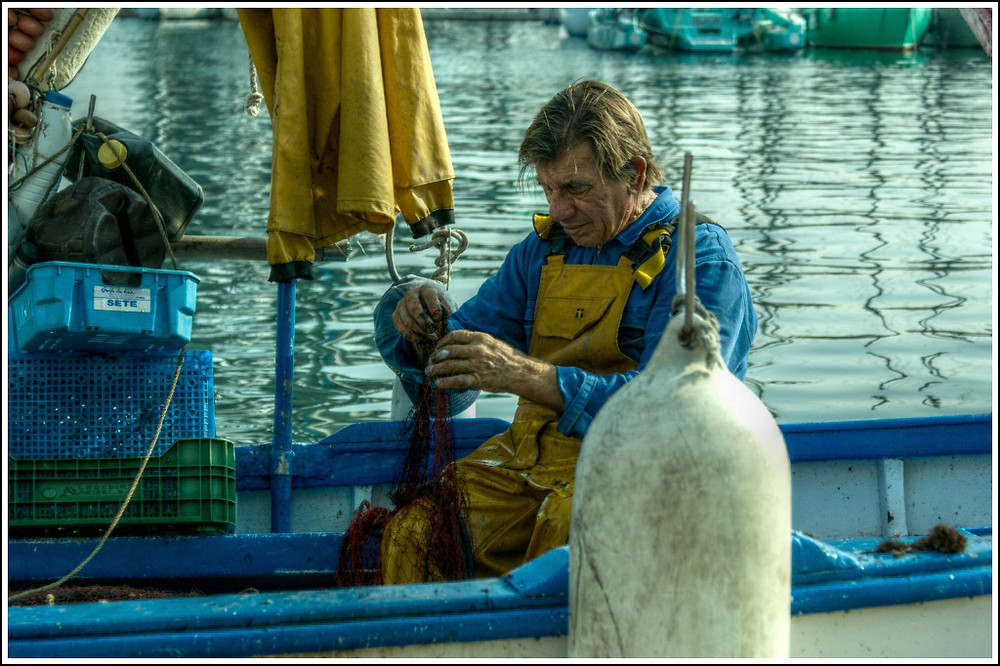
(86, 405)
(65, 306)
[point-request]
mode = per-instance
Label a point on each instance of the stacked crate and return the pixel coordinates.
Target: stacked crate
(91, 359)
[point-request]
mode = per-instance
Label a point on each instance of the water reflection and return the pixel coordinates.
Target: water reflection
(856, 186)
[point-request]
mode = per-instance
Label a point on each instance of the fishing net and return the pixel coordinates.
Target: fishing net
(83, 593)
(426, 478)
(942, 538)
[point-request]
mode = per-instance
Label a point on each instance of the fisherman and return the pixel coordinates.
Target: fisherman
(575, 310)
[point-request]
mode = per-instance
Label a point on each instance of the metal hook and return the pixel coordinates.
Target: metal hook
(389, 257)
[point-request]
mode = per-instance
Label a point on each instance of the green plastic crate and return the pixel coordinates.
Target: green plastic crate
(189, 488)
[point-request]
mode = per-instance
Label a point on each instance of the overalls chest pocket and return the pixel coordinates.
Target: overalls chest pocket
(570, 317)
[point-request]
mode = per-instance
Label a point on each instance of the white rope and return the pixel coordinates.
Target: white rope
(254, 99)
(441, 239)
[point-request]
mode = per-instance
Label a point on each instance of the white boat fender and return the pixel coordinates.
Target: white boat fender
(680, 528)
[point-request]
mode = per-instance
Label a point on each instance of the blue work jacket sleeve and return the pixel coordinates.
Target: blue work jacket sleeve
(720, 285)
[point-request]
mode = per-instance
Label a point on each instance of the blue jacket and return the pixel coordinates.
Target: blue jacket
(505, 305)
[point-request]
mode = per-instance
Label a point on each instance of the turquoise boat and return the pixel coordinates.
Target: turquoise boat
(891, 29)
(950, 30)
(724, 30)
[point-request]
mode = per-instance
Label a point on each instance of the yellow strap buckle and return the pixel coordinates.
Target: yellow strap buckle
(652, 265)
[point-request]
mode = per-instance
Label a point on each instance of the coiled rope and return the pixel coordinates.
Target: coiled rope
(441, 239)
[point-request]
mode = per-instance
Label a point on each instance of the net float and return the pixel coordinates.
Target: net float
(25, 118)
(20, 93)
(14, 56)
(30, 26)
(42, 13)
(19, 40)
(19, 134)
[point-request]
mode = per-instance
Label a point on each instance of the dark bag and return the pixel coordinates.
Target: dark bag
(98, 221)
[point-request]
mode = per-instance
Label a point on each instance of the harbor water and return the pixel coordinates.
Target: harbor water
(856, 186)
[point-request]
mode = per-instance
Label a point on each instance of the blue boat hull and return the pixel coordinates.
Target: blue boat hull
(269, 594)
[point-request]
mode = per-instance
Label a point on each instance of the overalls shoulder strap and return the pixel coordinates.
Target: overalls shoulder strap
(552, 232)
(648, 254)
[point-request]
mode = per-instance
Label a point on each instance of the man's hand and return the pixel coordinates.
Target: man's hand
(418, 316)
(466, 359)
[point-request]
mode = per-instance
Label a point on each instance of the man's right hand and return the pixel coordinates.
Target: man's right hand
(419, 315)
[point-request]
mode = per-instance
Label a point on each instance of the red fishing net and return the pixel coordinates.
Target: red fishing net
(427, 476)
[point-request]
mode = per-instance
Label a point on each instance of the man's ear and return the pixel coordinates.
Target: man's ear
(639, 164)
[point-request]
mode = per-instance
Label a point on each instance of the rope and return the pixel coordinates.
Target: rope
(128, 497)
(441, 239)
(254, 99)
(177, 371)
(135, 181)
(69, 144)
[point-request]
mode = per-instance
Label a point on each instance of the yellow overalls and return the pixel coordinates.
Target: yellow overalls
(520, 483)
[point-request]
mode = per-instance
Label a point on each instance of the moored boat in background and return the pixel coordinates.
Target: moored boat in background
(723, 30)
(777, 30)
(575, 21)
(980, 21)
(950, 30)
(896, 29)
(696, 29)
(614, 30)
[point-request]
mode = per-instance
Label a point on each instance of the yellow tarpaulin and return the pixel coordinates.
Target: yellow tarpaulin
(358, 133)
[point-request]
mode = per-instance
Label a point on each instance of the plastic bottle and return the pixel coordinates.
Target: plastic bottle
(20, 252)
(53, 133)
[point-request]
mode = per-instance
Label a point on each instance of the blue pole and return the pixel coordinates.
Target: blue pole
(281, 446)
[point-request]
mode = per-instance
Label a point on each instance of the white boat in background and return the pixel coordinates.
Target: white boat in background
(615, 30)
(575, 21)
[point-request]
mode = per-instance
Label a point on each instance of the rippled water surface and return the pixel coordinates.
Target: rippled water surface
(857, 187)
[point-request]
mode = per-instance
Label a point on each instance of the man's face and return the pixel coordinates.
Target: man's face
(591, 209)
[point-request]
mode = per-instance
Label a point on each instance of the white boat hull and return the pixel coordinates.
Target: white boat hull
(948, 629)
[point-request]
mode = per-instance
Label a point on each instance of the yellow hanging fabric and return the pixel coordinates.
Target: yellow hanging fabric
(357, 128)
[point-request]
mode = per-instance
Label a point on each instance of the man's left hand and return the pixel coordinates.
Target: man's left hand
(468, 359)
